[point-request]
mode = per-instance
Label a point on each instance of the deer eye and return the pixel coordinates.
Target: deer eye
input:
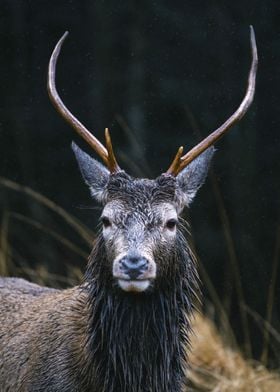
(171, 224)
(106, 221)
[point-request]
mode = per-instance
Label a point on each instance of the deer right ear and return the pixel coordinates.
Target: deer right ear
(96, 175)
(190, 179)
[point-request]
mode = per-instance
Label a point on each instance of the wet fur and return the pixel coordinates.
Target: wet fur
(139, 341)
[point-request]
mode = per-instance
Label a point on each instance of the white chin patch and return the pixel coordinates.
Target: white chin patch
(134, 285)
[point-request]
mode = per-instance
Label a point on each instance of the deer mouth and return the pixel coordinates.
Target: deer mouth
(136, 286)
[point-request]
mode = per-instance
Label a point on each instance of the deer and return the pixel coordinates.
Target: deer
(127, 326)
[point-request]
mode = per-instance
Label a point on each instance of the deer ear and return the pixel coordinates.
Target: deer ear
(96, 175)
(192, 177)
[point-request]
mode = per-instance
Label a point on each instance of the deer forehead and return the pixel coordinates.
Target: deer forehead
(141, 191)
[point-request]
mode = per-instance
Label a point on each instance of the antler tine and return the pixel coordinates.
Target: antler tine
(112, 162)
(179, 163)
(107, 155)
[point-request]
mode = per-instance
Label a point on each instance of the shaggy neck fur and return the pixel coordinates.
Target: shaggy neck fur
(137, 342)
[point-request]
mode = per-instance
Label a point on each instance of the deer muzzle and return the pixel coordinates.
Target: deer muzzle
(134, 272)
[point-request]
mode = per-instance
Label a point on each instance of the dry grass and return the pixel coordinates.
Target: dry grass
(217, 368)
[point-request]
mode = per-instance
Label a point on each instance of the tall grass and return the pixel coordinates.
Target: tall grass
(270, 296)
(215, 367)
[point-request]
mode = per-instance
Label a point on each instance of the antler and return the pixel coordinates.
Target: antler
(106, 153)
(180, 162)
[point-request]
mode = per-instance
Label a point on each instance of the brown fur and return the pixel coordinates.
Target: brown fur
(50, 325)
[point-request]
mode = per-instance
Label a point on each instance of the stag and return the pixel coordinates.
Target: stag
(126, 327)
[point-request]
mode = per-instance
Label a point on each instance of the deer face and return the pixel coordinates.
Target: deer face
(132, 238)
(140, 218)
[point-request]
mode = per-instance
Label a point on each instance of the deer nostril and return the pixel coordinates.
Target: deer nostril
(134, 266)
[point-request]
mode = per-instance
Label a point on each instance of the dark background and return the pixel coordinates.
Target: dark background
(158, 74)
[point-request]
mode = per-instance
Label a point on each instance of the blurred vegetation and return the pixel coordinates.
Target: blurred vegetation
(160, 75)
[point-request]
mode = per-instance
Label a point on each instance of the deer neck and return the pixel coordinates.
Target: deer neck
(137, 342)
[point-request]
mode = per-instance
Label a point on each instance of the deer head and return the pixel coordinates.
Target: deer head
(140, 217)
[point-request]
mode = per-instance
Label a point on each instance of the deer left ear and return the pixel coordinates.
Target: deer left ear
(192, 177)
(96, 175)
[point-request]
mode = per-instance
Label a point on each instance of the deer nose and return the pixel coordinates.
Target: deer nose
(134, 266)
